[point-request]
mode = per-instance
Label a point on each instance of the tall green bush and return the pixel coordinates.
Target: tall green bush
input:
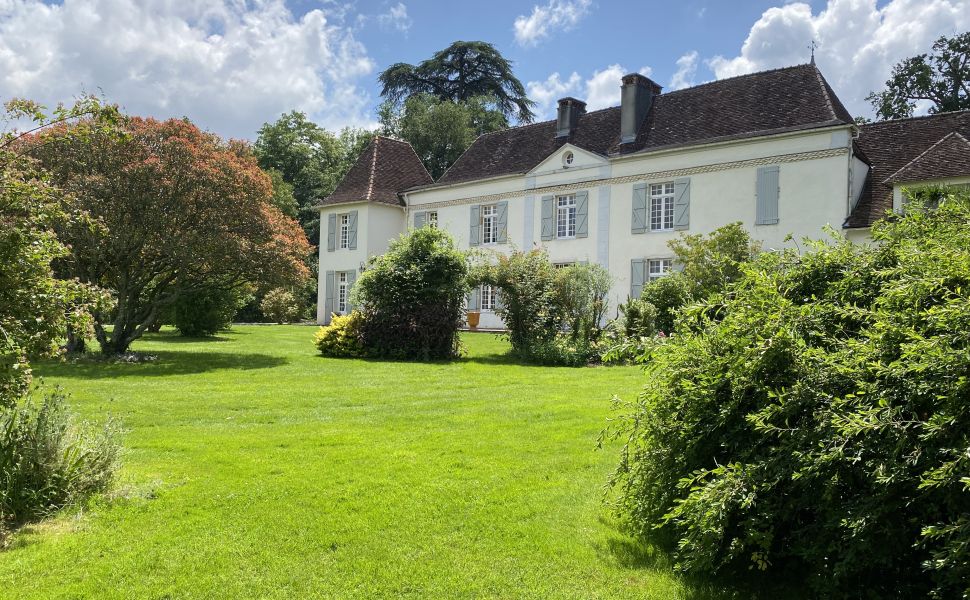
(411, 298)
(816, 418)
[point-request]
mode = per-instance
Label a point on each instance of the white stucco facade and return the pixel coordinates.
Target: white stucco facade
(814, 183)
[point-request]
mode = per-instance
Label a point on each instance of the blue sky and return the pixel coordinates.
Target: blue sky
(231, 65)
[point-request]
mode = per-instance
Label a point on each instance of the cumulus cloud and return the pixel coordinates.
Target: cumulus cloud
(686, 70)
(396, 18)
(229, 66)
(859, 42)
(601, 90)
(557, 15)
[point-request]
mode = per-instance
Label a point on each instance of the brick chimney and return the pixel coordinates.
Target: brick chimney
(637, 96)
(570, 109)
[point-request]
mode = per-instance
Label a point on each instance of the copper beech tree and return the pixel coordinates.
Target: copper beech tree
(178, 208)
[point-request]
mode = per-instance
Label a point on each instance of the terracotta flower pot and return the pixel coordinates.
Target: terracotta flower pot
(473, 317)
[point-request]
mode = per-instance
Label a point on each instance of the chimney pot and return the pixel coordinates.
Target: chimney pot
(637, 97)
(570, 109)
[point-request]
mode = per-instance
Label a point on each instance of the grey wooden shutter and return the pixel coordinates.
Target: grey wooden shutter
(330, 296)
(475, 299)
(473, 234)
(582, 214)
(548, 221)
(498, 299)
(503, 221)
(768, 192)
(331, 233)
(639, 218)
(682, 203)
(352, 230)
(638, 271)
(420, 219)
(351, 278)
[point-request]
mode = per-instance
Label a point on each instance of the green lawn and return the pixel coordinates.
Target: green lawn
(255, 468)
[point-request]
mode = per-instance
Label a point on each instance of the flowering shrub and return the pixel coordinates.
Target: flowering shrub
(341, 338)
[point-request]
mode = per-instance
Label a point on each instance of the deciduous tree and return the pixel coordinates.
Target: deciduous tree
(941, 78)
(178, 208)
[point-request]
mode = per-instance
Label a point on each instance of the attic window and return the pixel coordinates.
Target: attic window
(567, 159)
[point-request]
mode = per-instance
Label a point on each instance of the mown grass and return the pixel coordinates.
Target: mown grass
(255, 468)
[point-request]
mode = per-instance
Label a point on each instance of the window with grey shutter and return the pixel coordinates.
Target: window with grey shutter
(351, 278)
(548, 229)
(582, 214)
(503, 222)
(473, 234)
(474, 299)
(639, 217)
(352, 230)
(682, 203)
(331, 232)
(768, 192)
(330, 297)
(420, 218)
(638, 275)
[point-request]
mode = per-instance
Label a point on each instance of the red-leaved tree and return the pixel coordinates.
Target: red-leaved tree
(179, 208)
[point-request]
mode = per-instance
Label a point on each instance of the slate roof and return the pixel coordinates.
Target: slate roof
(788, 99)
(386, 167)
(905, 150)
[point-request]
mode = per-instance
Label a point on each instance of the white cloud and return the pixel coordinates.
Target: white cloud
(546, 93)
(228, 65)
(686, 70)
(601, 90)
(557, 15)
(859, 42)
(396, 18)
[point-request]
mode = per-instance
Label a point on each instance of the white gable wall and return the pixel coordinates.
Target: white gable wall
(377, 226)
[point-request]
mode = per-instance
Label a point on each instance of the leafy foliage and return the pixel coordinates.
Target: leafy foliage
(206, 311)
(47, 460)
(439, 130)
(310, 159)
(941, 77)
(341, 338)
(815, 417)
(460, 72)
(177, 206)
(411, 298)
(280, 306)
(553, 316)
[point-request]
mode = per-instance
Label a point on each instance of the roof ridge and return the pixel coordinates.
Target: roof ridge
(373, 171)
(527, 125)
(925, 152)
(916, 117)
(741, 76)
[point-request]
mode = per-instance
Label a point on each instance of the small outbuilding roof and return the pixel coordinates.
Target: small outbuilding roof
(909, 150)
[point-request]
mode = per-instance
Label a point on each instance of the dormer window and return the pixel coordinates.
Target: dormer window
(567, 159)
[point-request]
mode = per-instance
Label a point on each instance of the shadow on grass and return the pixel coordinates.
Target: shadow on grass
(166, 363)
(174, 337)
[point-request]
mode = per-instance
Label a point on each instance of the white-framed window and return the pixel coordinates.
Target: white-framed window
(489, 297)
(662, 206)
(433, 218)
(659, 267)
(566, 216)
(342, 291)
(562, 265)
(344, 230)
(489, 224)
(567, 158)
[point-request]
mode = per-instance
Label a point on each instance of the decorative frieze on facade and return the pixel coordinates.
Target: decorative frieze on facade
(653, 176)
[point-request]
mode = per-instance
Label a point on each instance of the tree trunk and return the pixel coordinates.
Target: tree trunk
(76, 344)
